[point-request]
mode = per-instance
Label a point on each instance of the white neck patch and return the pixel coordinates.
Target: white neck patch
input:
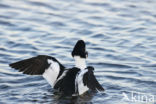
(80, 62)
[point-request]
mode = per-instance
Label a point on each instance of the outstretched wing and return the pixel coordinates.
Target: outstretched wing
(90, 80)
(35, 65)
(47, 66)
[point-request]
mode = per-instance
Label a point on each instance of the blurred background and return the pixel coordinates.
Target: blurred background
(120, 37)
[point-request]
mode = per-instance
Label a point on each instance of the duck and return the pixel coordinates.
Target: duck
(73, 81)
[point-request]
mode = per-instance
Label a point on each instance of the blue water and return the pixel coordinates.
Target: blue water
(120, 37)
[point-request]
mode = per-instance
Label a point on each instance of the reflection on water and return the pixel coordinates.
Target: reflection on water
(83, 99)
(120, 37)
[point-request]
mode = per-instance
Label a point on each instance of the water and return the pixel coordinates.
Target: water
(120, 37)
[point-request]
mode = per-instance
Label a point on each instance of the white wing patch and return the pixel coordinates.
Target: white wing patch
(52, 72)
(79, 81)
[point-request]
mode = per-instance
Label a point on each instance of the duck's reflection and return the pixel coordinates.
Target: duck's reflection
(83, 99)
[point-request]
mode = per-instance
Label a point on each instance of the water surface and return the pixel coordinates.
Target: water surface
(120, 37)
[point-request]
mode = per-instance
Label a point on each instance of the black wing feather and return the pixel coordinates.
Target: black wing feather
(34, 66)
(90, 80)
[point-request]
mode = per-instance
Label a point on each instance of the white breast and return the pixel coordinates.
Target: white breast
(79, 82)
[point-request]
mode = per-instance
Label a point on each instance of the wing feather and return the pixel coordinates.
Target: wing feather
(90, 80)
(35, 65)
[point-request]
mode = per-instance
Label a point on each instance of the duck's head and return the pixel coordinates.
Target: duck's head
(80, 50)
(80, 54)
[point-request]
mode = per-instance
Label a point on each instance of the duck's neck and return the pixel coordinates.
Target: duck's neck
(80, 62)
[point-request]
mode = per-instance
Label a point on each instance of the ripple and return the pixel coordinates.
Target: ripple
(98, 36)
(114, 65)
(152, 65)
(135, 80)
(6, 23)
(4, 6)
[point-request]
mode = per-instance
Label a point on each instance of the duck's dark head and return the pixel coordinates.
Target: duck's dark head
(80, 49)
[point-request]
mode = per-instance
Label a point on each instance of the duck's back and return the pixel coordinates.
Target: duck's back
(66, 85)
